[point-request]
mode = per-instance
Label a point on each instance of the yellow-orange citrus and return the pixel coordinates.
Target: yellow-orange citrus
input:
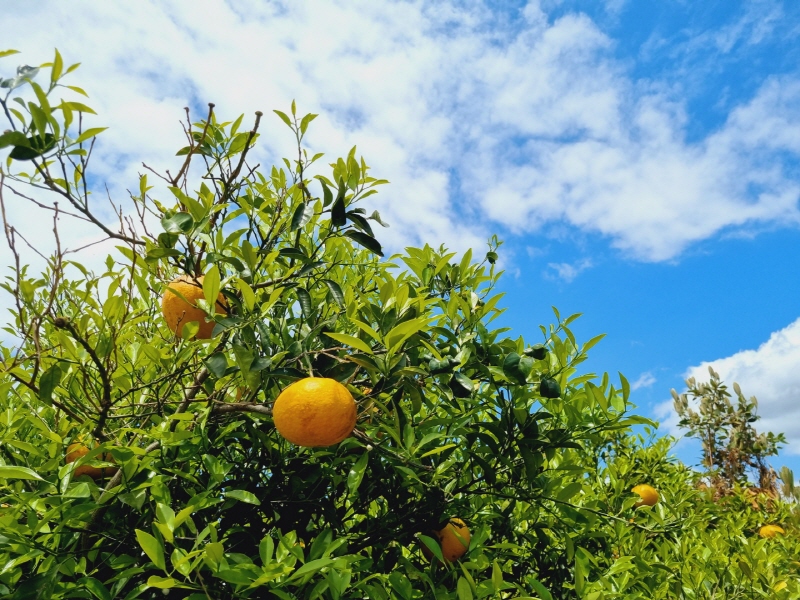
(647, 493)
(315, 411)
(770, 531)
(76, 451)
(177, 311)
(453, 539)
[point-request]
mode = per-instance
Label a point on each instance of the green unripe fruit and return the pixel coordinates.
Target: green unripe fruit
(538, 352)
(549, 388)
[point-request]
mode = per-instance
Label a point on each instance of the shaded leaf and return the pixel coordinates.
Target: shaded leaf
(370, 243)
(338, 214)
(305, 301)
(336, 291)
(302, 215)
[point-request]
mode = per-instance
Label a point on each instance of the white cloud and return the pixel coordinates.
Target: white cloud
(478, 121)
(645, 380)
(566, 271)
(770, 373)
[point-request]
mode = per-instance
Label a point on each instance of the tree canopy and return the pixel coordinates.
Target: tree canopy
(194, 490)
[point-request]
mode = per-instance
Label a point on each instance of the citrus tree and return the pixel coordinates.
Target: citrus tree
(248, 400)
(693, 542)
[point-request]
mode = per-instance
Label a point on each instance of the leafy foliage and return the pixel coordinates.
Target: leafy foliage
(456, 419)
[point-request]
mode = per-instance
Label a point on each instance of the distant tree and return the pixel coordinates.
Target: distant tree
(732, 448)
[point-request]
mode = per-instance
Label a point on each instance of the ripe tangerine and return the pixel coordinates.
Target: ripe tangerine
(453, 539)
(177, 311)
(77, 450)
(315, 412)
(647, 493)
(770, 531)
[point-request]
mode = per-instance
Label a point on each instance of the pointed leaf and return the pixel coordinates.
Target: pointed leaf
(181, 222)
(302, 215)
(338, 214)
(370, 243)
(305, 301)
(152, 548)
(351, 340)
(336, 291)
(10, 472)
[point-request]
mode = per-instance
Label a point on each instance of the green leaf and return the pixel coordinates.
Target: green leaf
(327, 195)
(569, 491)
(10, 472)
(97, 589)
(360, 222)
(214, 551)
(350, 340)
(463, 589)
(80, 490)
(356, 473)
(497, 577)
(533, 462)
(181, 222)
(78, 107)
(211, 285)
(338, 214)
(302, 215)
(152, 548)
(13, 138)
(34, 148)
(537, 585)
(248, 295)
(243, 496)
(284, 117)
(48, 382)
(312, 567)
(57, 68)
(596, 394)
(626, 387)
(163, 583)
(305, 301)
(217, 364)
(400, 333)
(157, 253)
(89, 133)
(305, 121)
(582, 565)
(336, 291)
(370, 243)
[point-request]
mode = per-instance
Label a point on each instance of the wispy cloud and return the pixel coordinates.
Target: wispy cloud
(566, 271)
(645, 380)
(481, 122)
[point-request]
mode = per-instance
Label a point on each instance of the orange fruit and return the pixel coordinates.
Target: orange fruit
(647, 493)
(314, 412)
(453, 539)
(76, 451)
(177, 311)
(770, 531)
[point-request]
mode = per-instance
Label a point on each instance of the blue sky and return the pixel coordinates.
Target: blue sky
(639, 158)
